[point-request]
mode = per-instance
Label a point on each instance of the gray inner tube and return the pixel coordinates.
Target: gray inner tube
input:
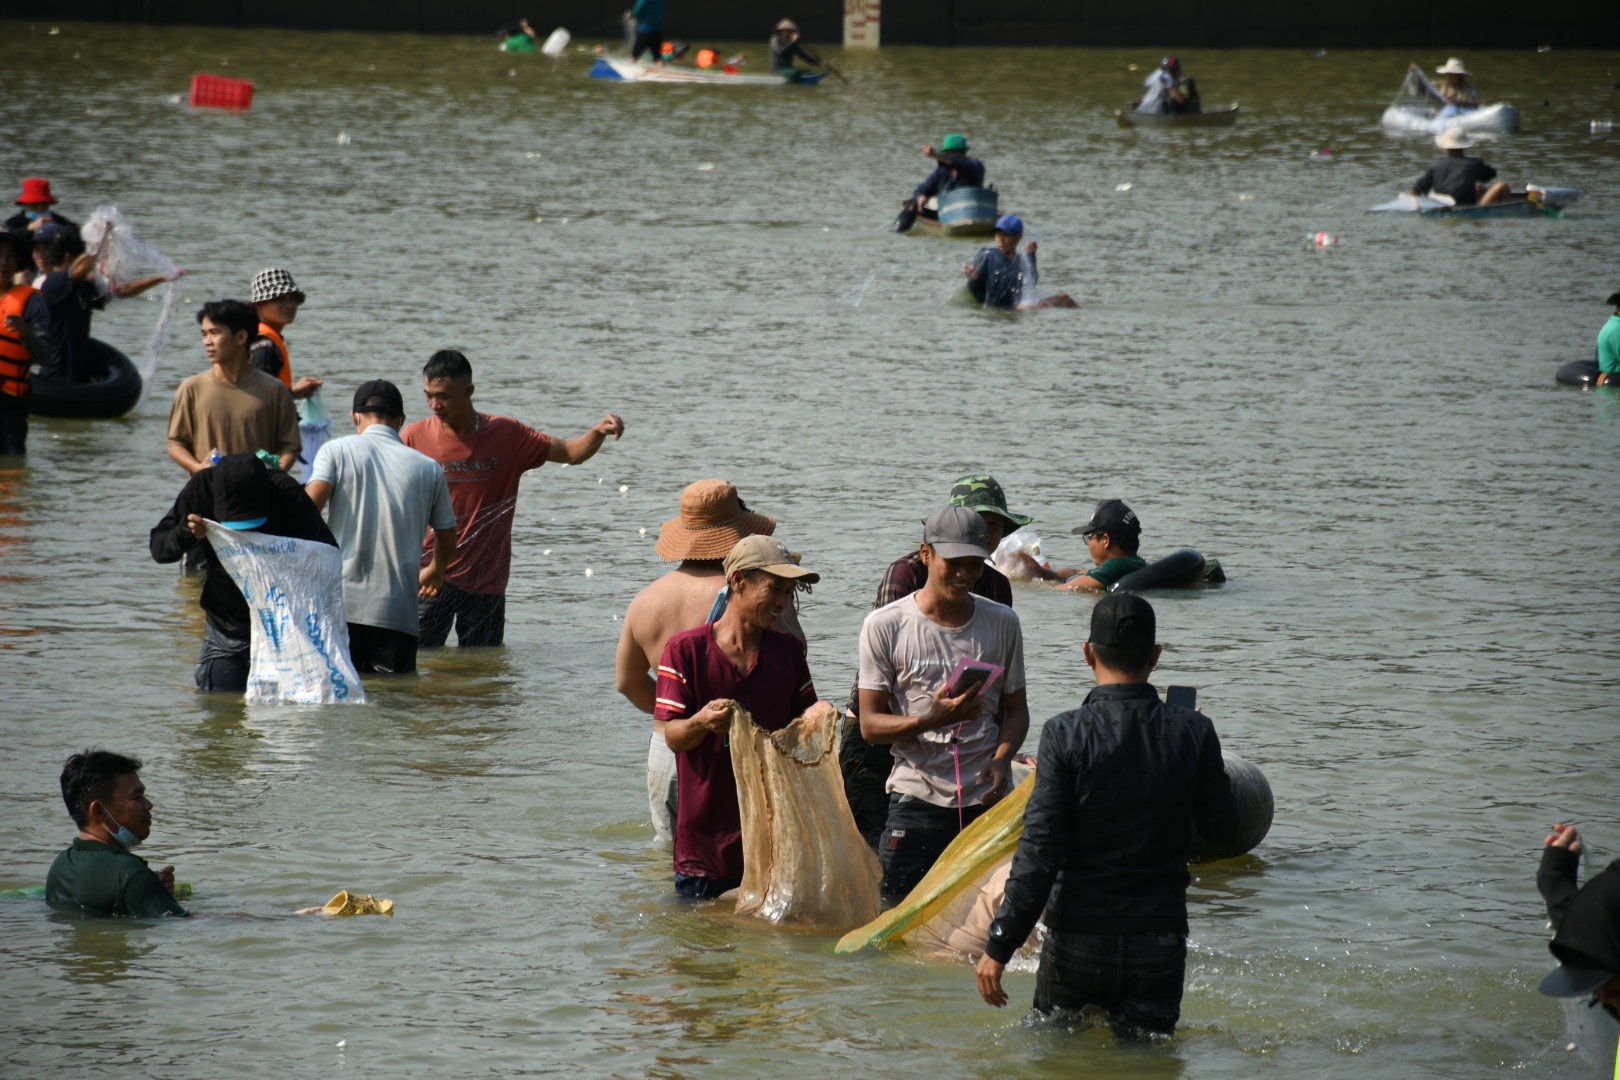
(1177, 570)
(1579, 373)
(1255, 810)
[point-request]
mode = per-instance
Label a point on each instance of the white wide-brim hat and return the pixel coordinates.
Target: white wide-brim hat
(1452, 139)
(1453, 66)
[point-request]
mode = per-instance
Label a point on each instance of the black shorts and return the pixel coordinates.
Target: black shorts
(375, 648)
(914, 835)
(479, 619)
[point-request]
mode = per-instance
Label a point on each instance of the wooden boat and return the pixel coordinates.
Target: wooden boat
(1218, 116)
(114, 394)
(967, 211)
(624, 70)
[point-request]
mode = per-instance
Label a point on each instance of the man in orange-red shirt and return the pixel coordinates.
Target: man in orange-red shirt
(484, 457)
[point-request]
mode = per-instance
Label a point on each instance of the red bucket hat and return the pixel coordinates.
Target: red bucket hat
(36, 189)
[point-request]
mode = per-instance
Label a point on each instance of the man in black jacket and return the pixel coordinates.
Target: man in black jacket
(1121, 782)
(239, 493)
(1585, 922)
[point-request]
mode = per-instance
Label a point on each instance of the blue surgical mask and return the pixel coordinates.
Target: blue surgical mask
(35, 215)
(124, 836)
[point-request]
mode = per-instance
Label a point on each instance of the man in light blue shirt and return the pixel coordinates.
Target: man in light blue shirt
(383, 498)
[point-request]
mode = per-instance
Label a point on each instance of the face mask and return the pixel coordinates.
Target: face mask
(34, 215)
(123, 836)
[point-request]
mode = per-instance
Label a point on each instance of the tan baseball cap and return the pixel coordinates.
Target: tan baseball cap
(767, 553)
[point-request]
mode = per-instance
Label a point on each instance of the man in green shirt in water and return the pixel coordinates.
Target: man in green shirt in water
(99, 874)
(1112, 537)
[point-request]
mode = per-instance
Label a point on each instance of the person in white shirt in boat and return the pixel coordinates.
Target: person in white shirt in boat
(1455, 93)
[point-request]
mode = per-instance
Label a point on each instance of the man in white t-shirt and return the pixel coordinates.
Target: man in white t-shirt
(951, 757)
(384, 496)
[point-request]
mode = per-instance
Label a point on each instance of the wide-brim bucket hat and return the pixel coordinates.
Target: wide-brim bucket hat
(1453, 66)
(711, 521)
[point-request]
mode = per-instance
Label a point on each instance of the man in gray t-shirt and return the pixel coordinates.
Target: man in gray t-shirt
(384, 496)
(951, 758)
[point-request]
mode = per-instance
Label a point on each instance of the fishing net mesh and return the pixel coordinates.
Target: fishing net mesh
(803, 859)
(121, 258)
(1415, 93)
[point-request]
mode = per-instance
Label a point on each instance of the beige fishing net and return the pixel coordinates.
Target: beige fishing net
(803, 859)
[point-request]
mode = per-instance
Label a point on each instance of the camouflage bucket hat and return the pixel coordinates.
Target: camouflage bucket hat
(982, 493)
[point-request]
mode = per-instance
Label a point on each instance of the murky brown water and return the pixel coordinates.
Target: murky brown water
(1417, 643)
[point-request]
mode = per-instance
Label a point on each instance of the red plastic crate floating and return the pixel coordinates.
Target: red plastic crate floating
(219, 92)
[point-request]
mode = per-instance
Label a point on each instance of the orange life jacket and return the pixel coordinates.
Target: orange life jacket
(14, 358)
(266, 330)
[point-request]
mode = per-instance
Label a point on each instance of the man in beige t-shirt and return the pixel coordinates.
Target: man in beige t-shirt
(231, 408)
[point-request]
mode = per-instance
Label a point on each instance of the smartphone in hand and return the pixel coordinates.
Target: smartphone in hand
(969, 674)
(1184, 696)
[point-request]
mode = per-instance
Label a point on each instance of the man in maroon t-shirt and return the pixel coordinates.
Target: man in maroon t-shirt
(738, 657)
(484, 458)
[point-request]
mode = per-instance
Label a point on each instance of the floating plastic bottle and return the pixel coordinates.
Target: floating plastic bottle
(1323, 239)
(1602, 127)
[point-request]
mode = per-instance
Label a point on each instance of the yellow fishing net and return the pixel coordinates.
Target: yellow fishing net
(975, 851)
(803, 859)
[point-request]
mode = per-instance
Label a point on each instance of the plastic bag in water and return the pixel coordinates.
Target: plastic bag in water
(1021, 541)
(299, 649)
(803, 859)
(120, 257)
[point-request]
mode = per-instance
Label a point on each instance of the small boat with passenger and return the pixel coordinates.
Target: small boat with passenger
(1419, 109)
(963, 211)
(1534, 201)
(622, 69)
(1218, 116)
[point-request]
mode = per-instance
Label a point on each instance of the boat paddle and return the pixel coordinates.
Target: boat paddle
(835, 71)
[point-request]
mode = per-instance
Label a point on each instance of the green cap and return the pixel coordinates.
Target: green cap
(954, 141)
(983, 494)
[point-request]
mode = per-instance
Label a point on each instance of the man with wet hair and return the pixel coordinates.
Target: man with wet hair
(1120, 785)
(99, 873)
(484, 457)
(740, 657)
(231, 408)
(952, 746)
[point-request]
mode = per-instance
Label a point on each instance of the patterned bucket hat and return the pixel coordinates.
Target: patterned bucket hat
(274, 283)
(983, 494)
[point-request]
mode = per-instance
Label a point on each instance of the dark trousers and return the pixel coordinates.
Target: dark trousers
(648, 41)
(866, 767)
(223, 662)
(478, 619)
(375, 648)
(1137, 978)
(702, 888)
(913, 838)
(13, 424)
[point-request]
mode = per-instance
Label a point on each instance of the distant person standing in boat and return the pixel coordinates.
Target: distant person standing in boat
(786, 48)
(1168, 90)
(649, 17)
(484, 459)
(955, 170)
(277, 298)
(1608, 346)
(1468, 180)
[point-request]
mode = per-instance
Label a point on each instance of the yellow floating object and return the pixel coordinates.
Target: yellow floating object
(977, 848)
(348, 903)
(804, 860)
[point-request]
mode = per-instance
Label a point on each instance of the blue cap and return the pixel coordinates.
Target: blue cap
(1011, 224)
(247, 523)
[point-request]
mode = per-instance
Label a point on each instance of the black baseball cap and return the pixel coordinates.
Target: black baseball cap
(1123, 621)
(1112, 517)
(379, 396)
